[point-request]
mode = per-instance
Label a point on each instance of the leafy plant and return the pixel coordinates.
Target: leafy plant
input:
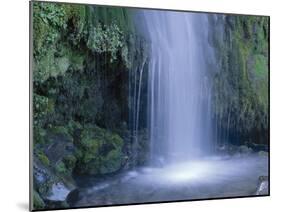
(106, 39)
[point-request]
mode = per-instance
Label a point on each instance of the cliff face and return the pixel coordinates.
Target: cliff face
(83, 57)
(240, 78)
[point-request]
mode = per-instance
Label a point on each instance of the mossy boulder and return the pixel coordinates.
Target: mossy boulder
(38, 202)
(99, 151)
(111, 162)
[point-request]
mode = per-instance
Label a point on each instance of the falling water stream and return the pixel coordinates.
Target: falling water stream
(179, 90)
(183, 164)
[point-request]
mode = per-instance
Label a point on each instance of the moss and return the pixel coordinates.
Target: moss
(241, 85)
(91, 149)
(39, 135)
(60, 168)
(38, 202)
(73, 126)
(116, 141)
(106, 39)
(76, 76)
(61, 130)
(43, 158)
(114, 28)
(100, 151)
(70, 162)
(51, 23)
(76, 18)
(107, 15)
(261, 66)
(111, 162)
(41, 107)
(48, 18)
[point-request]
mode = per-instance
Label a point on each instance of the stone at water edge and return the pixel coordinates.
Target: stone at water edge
(73, 197)
(263, 153)
(38, 203)
(262, 186)
(245, 150)
(59, 192)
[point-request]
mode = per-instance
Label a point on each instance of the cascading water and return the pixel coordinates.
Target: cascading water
(179, 90)
(182, 132)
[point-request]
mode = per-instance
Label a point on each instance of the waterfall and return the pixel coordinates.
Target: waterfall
(135, 90)
(179, 102)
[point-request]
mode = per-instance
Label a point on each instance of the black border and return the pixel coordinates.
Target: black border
(31, 107)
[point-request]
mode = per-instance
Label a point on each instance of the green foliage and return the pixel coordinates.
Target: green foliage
(117, 25)
(39, 135)
(73, 125)
(76, 78)
(111, 162)
(100, 151)
(58, 29)
(76, 16)
(261, 65)
(106, 39)
(109, 15)
(43, 158)
(51, 22)
(240, 87)
(42, 105)
(61, 130)
(70, 162)
(60, 168)
(47, 18)
(38, 203)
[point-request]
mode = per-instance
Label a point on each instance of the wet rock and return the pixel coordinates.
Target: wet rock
(61, 144)
(73, 197)
(99, 152)
(56, 204)
(38, 202)
(245, 150)
(51, 188)
(42, 179)
(263, 186)
(263, 153)
(59, 192)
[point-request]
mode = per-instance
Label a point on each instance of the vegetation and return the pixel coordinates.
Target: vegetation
(80, 56)
(241, 82)
(84, 58)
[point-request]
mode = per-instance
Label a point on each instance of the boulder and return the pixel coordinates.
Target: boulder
(263, 186)
(245, 150)
(38, 202)
(58, 192)
(99, 152)
(73, 197)
(263, 153)
(42, 178)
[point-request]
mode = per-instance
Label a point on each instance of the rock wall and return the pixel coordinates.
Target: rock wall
(83, 57)
(240, 78)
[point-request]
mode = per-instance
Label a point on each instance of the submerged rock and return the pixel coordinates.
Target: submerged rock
(263, 186)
